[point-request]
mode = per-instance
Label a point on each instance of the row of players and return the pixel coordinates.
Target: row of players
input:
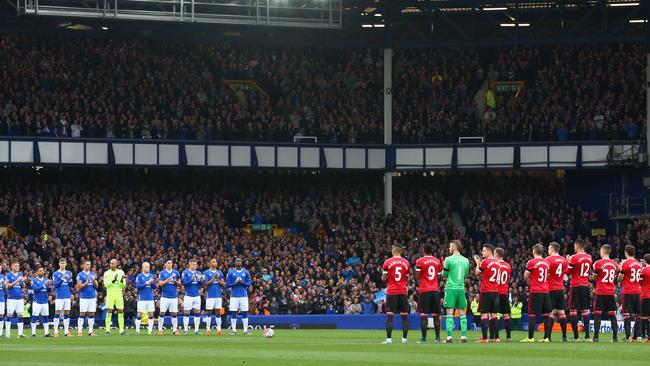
(114, 280)
(546, 291)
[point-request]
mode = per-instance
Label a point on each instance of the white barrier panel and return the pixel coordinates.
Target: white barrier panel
(217, 155)
(49, 151)
(406, 158)
(333, 157)
(22, 152)
(439, 157)
(594, 155)
(500, 157)
(287, 157)
(195, 155)
(533, 156)
(123, 154)
(96, 153)
(355, 158)
(309, 157)
(146, 154)
(471, 157)
(562, 156)
(265, 156)
(168, 154)
(240, 156)
(71, 153)
(376, 159)
(4, 151)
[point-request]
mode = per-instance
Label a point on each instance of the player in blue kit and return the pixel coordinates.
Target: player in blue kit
(168, 280)
(41, 286)
(62, 279)
(238, 281)
(87, 288)
(15, 282)
(145, 282)
(2, 300)
(192, 280)
(213, 280)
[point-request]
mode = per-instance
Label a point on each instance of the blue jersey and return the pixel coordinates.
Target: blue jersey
(88, 292)
(16, 292)
(3, 280)
(192, 282)
(62, 282)
(214, 290)
(145, 291)
(238, 289)
(170, 290)
(41, 290)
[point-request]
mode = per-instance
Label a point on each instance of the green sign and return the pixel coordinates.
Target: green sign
(262, 227)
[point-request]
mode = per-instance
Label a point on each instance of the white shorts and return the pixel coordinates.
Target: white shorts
(191, 302)
(167, 304)
(40, 309)
(212, 303)
(238, 304)
(87, 305)
(146, 306)
(17, 306)
(62, 304)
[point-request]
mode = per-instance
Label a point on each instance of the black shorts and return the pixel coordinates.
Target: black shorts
(579, 298)
(539, 303)
(645, 307)
(397, 304)
(429, 302)
(504, 304)
(488, 302)
(632, 304)
(557, 299)
(605, 303)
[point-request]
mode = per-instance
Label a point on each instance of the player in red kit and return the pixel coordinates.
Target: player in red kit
(504, 298)
(605, 271)
(556, 289)
(539, 302)
(396, 271)
(579, 300)
(630, 276)
(427, 272)
(488, 304)
(645, 296)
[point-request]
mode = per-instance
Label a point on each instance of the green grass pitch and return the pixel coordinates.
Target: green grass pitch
(310, 347)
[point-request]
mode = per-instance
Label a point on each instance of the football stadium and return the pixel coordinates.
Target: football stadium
(324, 182)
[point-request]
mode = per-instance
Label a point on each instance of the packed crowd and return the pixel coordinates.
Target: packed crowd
(330, 259)
(98, 88)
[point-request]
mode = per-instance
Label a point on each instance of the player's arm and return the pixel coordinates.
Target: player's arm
(569, 267)
(621, 272)
(247, 280)
(478, 263)
(57, 280)
(140, 282)
(445, 269)
(230, 283)
(81, 284)
(418, 270)
(527, 273)
(186, 278)
(164, 282)
(221, 280)
(211, 281)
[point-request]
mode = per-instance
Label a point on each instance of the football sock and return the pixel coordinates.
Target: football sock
(208, 321)
(2, 324)
(66, 323)
(80, 323)
(563, 325)
(424, 323)
(574, 324)
(46, 324)
(55, 320)
(531, 325)
(551, 322)
(197, 323)
(627, 322)
(244, 320)
(508, 326)
(138, 322)
(175, 323)
(637, 328)
(463, 325)
(612, 318)
(150, 323)
(109, 321)
(389, 325)
(186, 322)
(548, 325)
(484, 325)
(405, 325)
(495, 327)
(436, 324)
(585, 321)
(33, 324)
(20, 326)
(597, 320)
(120, 321)
(449, 324)
(218, 322)
(91, 323)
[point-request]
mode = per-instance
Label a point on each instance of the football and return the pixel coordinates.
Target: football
(269, 333)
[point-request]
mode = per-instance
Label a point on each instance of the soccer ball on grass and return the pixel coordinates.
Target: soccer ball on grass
(268, 333)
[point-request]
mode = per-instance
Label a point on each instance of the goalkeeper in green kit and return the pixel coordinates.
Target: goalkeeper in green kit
(455, 270)
(114, 282)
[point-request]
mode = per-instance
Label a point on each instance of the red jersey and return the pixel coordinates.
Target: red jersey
(579, 269)
(645, 283)
(429, 268)
(538, 268)
(606, 271)
(631, 270)
(504, 278)
(398, 270)
(558, 265)
(491, 273)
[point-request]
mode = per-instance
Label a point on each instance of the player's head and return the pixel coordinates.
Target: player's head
(39, 272)
(605, 249)
(62, 264)
(396, 250)
(213, 263)
(427, 249)
(499, 253)
(15, 266)
(86, 266)
(630, 251)
(192, 264)
(146, 267)
(238, 263)
(538, 250)
(553, 248)
(487, 251)
(169, 265)
(646, 258)
(454, 247)
(579, 246)
(113, 264)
